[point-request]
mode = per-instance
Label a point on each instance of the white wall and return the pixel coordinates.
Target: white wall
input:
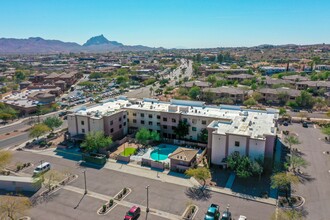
(96, 124)
(196, 121)
(218, 148)
(242, 144)
(257, 148)
(72, 125)
(84, 126)
(146, 119)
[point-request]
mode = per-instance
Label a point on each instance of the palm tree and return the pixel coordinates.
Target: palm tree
(151, 89)
(291, 141)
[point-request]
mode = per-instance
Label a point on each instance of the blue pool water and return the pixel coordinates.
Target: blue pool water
(162, 151)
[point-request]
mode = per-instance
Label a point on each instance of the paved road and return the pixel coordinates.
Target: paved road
(311, 115)
(22, 137)
(316, 191)
(144, 92)
(163, 196)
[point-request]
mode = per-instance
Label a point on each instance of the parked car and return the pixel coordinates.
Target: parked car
(285, 123)
(62, 114)
(305, 124)
(226, 215)
(133, 213)
(212, 213)
(42, 168)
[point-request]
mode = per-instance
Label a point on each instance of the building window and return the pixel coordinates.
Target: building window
(236, 143)
(127, 113)
(185, 120)
(111, 130)
(158, 116)
(82, 122)
(134, 120)
(150, 122)
(173, 127)
(203, 122)
(119, 119)
(173, 120)
(124, 116)
(165, 135)
(193, 128)
(124, 123)
(158, 123)
(134, 114)
(142, 122)
(150, 116)
(142, 115)
(127, 120)
(164, 119)
(120, 126)
(111, 122)
(164, 126)
(82, 130)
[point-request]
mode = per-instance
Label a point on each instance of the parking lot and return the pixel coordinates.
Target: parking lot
(314, 186)
(166, 197)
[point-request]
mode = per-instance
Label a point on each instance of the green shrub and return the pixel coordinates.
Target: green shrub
(18, 167)
(104, 208)
(124, 191)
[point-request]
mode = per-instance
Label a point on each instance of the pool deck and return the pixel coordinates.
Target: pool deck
(147, 155)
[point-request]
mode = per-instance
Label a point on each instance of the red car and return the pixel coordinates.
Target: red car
(133, 213)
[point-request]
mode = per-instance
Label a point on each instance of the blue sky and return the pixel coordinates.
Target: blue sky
(170, 23)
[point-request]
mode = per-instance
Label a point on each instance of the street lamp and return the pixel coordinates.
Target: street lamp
(85, 181)
(147, 188)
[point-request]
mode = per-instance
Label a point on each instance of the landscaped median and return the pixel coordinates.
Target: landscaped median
(190, 212)
(107, 207)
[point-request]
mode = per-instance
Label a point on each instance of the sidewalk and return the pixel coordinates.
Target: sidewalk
(122, 202)
(22, 120)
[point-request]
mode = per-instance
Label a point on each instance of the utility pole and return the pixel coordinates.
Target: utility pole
(85, 181)
(147, 211)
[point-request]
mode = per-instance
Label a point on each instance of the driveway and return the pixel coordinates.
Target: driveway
(315, 188)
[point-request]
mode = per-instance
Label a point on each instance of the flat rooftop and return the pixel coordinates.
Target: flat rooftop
(227, 118)
(26, 103)
(231, 119)
(102, 109)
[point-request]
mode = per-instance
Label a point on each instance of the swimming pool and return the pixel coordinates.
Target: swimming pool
(162, 151)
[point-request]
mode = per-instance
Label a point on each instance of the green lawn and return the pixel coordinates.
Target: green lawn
(128, 151)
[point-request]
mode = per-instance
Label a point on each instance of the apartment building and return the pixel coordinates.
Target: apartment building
(108, 118)
(230, 128)
(233, 93)
(315, 85)
(278, 95)
(240, 77)
(270, 70)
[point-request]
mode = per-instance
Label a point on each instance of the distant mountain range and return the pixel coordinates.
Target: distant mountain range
(37, 45)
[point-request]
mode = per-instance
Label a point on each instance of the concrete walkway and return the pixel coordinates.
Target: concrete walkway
(122, 202)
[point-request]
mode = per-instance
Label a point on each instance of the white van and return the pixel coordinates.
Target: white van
(41, 168)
